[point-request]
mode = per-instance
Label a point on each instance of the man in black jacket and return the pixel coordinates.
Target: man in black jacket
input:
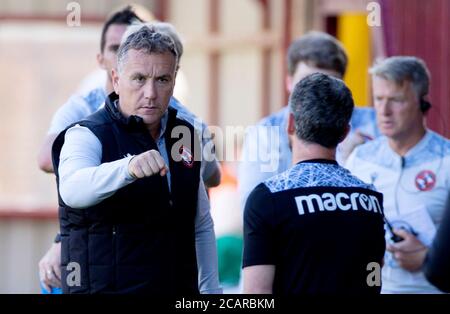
(133, 210)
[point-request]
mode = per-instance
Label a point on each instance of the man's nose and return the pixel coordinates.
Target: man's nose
(384, 107)
(149, 90)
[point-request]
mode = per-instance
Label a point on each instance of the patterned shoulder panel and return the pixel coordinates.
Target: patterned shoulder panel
(313, 175)
(435, 147)
(430, 148)
(372, 150)
(95, 98)
(184, 114)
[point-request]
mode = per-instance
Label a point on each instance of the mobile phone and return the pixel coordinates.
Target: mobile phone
(394, 237)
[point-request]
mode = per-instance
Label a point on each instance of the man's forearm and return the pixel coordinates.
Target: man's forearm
(205, 244)
(258, 279)
(89, 186)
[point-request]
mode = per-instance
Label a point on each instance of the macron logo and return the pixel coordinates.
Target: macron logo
(343, 201)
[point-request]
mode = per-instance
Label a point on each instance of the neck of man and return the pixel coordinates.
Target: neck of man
(402, 144)
(154, 131)
(109, 88)
(302, 150)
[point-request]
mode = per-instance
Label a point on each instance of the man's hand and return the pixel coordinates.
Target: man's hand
(351, 142)
(409, 253)
(50, 267)
(147, 164)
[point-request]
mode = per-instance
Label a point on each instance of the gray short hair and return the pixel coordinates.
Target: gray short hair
(150, 40)
(399, 69)
(160, 27)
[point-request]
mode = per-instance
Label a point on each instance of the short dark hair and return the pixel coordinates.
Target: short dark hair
(317, 49)
(125, 16)
(322, 106)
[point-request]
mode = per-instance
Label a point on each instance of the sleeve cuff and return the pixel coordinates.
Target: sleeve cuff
(212, 291)
(128, 175)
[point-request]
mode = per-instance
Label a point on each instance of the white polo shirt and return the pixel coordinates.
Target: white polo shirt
(416, 191)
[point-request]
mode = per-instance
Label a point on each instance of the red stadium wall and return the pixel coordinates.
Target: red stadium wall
(421, 28)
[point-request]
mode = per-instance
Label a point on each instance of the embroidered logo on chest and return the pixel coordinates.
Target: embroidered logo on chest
(425, 180)
(186, 157)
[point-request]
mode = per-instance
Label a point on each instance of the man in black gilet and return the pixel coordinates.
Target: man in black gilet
(314, 229)
(134, 213)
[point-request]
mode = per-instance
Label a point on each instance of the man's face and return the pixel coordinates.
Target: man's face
(302, 70)
(397, 108)
(145, 85)
(108, 58)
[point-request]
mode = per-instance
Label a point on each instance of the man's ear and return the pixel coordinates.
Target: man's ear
(115, 80)
(291, 124)
(344, 135)
(288, 81)
(175, 75)
(100, 61)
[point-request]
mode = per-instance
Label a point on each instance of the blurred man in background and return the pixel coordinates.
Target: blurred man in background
(409, 164)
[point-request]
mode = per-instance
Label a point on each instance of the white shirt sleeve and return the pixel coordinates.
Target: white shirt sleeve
(259, 160)
(350, 162)
(205, 244)
(75, 109)
(208, 168)
(83, 180)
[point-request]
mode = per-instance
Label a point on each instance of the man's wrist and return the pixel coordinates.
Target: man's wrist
(130, 173)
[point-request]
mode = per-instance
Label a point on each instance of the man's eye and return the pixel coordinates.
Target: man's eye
(114, 48)
(139, 79)
(378, 99)
(163, 79)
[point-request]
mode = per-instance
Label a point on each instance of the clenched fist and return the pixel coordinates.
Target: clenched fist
(147, 164)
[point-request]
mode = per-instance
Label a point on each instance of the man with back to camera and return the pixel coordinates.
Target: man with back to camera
(134, 213)
(81, 106)
(314, 228)
(266, 150)
(409, 164)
